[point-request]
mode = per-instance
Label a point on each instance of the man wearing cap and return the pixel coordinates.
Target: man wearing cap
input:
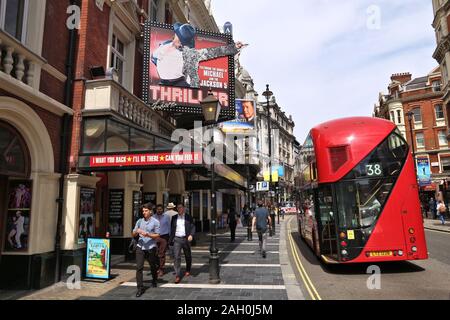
(177, 60)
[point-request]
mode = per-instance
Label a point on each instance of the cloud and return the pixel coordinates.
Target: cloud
(319, 56)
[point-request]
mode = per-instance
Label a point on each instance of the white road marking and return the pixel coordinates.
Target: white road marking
(214, 286)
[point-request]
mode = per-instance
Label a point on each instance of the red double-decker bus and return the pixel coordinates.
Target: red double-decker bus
(359, 194)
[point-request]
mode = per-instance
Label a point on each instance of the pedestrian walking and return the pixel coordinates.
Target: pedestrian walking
(260, 223)
(232, 221)
(181, 235)
(147, 228)
(272, 216)
(171, 207)
(245, 216)
(441, 209)
(163, 240)
(432, 204)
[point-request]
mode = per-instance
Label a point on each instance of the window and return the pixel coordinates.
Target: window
(436, 86)
(14, 155)
(399, 116)
(153, 11)
(439, 112)
(417, 114)
(445, 162)
(442, 138)
(118, 56)
(13, 18)
(392, 116)
(420, 140)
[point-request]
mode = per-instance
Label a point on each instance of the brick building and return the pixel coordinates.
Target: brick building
(423, 97)
(34, 111)
(441, 23)
(68, 90)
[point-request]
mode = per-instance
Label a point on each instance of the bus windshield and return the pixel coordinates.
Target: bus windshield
(361, 195)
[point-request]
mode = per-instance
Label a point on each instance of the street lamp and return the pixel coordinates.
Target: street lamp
(410, 115)
(211, 110)
(268, 94)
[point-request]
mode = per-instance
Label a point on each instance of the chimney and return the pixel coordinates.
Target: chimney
(401, 77)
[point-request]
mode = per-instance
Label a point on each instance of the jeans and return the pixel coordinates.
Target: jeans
(262, 235)
(151, 257)
(178, 244)
(442, 217)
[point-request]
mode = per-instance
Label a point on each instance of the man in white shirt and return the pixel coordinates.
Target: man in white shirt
(181, 236)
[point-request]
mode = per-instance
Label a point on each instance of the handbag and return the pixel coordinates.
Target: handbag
(134, 242)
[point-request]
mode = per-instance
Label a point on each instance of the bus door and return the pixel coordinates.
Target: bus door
(327, 222)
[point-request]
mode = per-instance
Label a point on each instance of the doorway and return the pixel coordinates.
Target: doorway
(327, 223)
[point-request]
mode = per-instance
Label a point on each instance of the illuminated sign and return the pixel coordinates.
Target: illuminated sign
(182, 63)
(149, 159)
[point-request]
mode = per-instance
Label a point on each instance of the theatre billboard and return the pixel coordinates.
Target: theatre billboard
(181, 64)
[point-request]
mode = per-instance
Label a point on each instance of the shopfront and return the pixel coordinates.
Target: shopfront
(28, 190)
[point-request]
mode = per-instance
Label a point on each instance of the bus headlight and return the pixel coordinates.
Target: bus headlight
(400, 253)
(414, 249)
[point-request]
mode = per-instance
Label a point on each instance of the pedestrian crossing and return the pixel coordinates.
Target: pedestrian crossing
(244, 273)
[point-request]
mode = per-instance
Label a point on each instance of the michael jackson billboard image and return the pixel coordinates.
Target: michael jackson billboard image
(183, 63)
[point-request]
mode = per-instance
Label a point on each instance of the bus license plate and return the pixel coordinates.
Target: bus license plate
(381, 254)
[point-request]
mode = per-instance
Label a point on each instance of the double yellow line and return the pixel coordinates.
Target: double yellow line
(306, 280)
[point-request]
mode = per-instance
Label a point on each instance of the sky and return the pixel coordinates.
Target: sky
(328, 59)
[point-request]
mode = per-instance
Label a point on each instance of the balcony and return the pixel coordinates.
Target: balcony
(18, 62)
(107, 96)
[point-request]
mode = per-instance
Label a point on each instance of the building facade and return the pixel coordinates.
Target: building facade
(282, 151)
(441, 25)
(34, 113)
(424, 99)
(70, 94)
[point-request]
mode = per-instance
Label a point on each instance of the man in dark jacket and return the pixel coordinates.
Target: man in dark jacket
(181, 236)
(232, 222)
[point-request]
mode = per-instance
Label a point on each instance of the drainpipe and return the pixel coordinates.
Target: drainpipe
(65, 142)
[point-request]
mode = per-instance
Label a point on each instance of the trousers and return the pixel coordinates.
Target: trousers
(178, 244)
(152, 258)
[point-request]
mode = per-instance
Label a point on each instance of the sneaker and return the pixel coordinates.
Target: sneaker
(264, 255)
(177, 280)
(187, 274)
(154, 284)
(160, 273)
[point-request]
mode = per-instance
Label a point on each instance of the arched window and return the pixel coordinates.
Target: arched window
(14, 155)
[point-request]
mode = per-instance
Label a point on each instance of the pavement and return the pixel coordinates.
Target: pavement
(436, 225)
(244, 275)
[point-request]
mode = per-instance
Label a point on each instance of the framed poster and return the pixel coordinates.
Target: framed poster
(18, 216)
(244, 124)
(86, 225)
(98, 258)
(115, 216)
(137, 203)
(181, 63)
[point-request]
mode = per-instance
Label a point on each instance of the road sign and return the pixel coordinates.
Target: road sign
(262, 186)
